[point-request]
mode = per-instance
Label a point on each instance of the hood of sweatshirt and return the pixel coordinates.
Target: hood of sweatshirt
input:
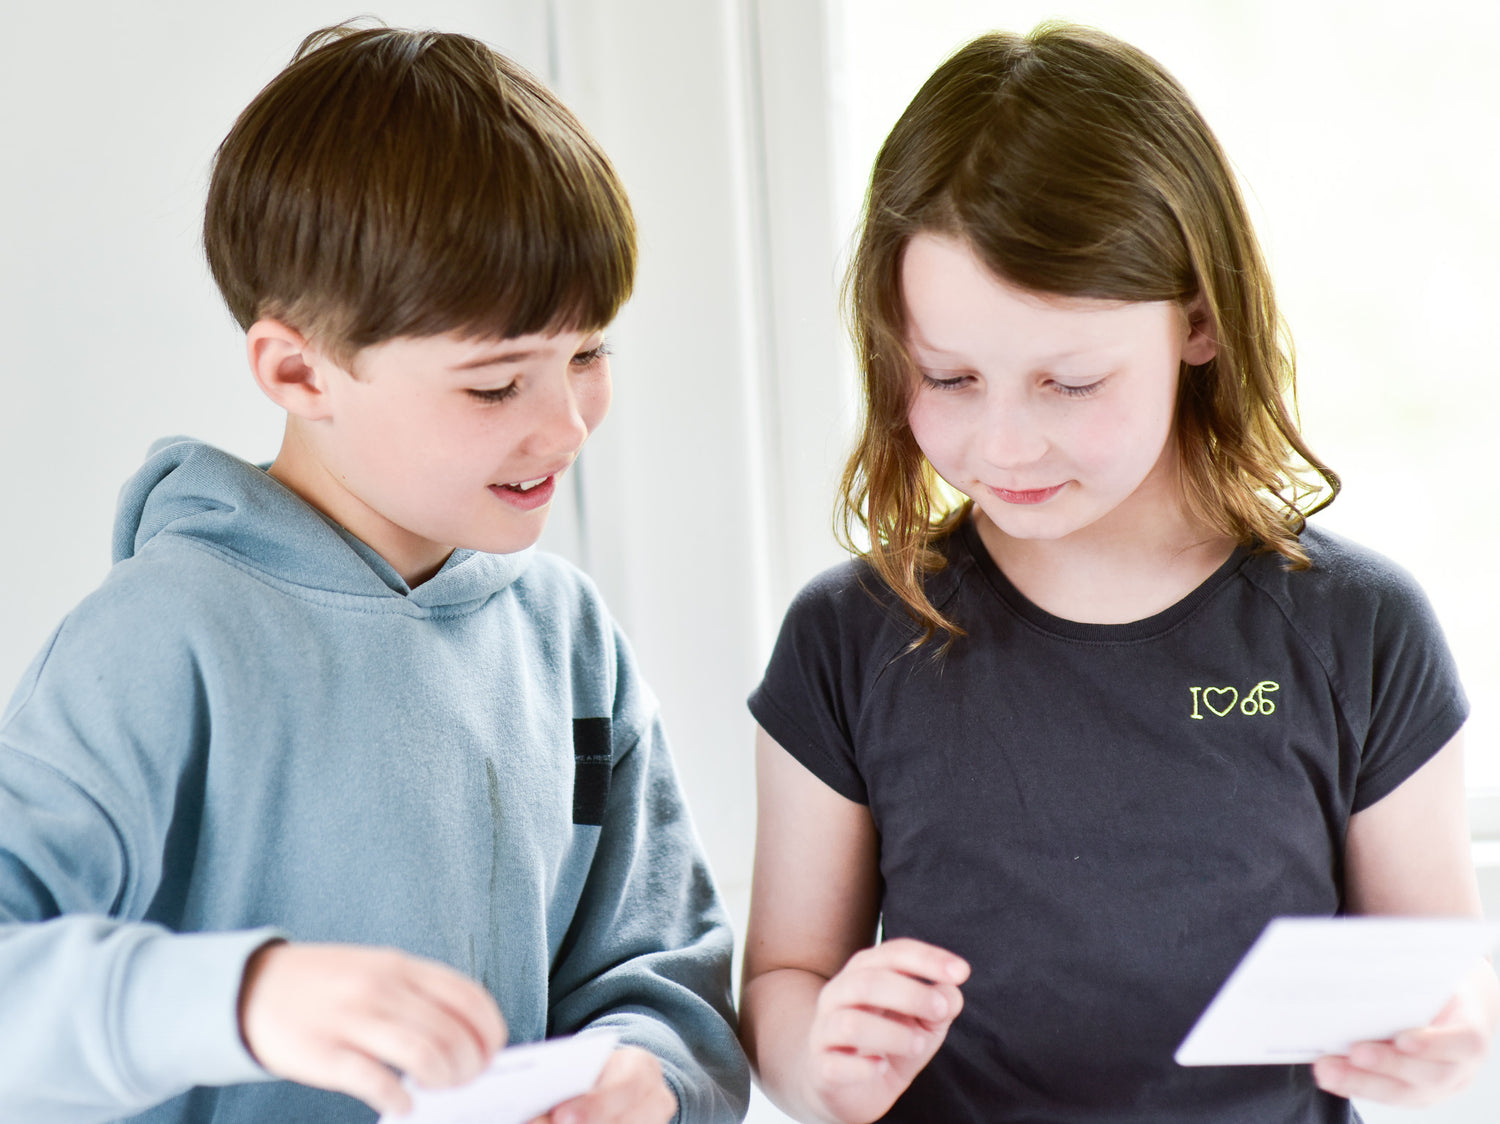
(189, 489)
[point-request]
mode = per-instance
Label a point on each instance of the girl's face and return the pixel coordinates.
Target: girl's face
(1054, 414)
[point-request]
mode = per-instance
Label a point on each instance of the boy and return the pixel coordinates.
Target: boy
(329, 772)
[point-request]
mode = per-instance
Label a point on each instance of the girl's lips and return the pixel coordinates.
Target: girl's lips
(531, 498)
(1038, 495)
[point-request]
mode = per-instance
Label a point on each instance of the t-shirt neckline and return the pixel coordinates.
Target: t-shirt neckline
(1154, 625)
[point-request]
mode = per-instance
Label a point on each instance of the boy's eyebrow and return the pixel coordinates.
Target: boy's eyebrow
(492, 360)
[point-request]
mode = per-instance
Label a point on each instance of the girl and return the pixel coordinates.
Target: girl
(1072, 741)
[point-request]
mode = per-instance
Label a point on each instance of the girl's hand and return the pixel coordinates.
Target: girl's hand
(630, 1090)
(1423, 1066)
(879, 1021)
(346, 1018)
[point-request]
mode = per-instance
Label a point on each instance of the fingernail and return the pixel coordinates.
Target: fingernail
(958, 971)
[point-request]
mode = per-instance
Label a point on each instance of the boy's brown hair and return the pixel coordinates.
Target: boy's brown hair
(396, 183)
(1073, 164)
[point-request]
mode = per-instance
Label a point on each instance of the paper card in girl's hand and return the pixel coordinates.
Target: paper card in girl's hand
(1315, 986)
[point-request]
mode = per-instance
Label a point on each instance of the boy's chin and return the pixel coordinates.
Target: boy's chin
(512, 541)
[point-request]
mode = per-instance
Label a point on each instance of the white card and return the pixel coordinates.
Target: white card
(521, 1083)
(1315, 986)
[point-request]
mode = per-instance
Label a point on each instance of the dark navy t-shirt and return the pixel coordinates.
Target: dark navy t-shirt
(1102, 818)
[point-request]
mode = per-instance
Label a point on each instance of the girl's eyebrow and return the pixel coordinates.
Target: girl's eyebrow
(1056, 357)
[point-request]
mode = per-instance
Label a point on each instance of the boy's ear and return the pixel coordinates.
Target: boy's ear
(288, 368)
(1203, 333)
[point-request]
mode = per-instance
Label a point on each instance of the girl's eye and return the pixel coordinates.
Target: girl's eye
(498, 394)
(1078, 391)
(944, 384)
(592, 355)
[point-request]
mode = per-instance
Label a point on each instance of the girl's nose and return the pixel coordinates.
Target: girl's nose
(1010, 436)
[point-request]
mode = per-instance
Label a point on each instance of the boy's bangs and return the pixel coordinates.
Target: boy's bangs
(499, 263)
(394, 184)
(490, 214)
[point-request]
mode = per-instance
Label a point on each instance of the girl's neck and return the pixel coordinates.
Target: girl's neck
(1113, 574)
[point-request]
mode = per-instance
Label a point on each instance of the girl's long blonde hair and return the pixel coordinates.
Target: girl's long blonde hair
(1073, 164)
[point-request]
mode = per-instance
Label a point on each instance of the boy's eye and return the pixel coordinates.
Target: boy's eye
(592, 355)
(497, 394)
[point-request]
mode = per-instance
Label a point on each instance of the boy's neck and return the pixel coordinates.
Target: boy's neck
(298, 468)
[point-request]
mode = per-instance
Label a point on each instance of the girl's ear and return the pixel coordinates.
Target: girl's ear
(1202, 342)
(290, 370)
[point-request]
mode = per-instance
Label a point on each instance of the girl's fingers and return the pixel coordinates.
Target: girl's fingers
(870, 1033)
(1395, 1081)
(884, 989)
(916, 958)
(1384, 1060)
(1436, 1043)
(840, 1069)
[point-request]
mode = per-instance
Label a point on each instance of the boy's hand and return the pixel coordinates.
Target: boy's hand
(346, 1018)
(878, 1023)
(1418, 1067)
(630, 1090)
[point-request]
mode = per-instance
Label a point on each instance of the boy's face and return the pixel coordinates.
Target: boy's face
(439, 442)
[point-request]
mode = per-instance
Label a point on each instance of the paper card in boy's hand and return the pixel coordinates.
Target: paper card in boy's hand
(1315, 986)
(521, 1083)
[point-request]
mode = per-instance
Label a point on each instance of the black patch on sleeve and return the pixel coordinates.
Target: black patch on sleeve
(593, 764)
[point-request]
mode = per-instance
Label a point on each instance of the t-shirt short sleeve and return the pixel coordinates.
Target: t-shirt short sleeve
(808, 701)
(1409, 692)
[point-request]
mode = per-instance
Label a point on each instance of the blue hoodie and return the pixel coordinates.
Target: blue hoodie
(254, 728)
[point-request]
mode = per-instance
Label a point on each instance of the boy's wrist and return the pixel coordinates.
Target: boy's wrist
(179, 1006)
(248, 977)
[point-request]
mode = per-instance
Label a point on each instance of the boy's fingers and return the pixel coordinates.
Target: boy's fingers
(467, 1000)
(630, 1088)
(620, 1102)
(360, 1076)
(421, 1041)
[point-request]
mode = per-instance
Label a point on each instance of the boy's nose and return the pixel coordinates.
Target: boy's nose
(558, 426)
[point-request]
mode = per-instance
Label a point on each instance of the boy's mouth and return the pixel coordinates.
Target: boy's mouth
(527, 494)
